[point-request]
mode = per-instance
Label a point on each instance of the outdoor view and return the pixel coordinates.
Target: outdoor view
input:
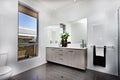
(27, 38)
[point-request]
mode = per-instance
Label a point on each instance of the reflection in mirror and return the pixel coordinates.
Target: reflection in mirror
(79, 31)
(53, 33)
(76, 29)
(62, 28)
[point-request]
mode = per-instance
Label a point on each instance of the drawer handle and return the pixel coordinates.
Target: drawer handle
(53, 49)
(61, 54)
(60, 50)
(61, 59)
(70, 51)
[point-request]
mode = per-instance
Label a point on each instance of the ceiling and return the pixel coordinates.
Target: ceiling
(56, 4)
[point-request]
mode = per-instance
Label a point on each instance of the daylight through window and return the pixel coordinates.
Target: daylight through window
(28, 32)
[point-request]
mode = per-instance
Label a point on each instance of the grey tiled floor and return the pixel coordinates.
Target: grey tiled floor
(51, 71)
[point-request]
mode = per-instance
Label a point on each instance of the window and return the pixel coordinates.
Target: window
(28, 32)
(62, 28)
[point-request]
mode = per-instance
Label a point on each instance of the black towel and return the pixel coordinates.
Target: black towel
(99, 60)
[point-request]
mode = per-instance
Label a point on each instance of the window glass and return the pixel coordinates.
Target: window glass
(26, 21)
(27, 36)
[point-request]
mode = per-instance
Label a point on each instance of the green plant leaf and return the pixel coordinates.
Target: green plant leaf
(64, 36)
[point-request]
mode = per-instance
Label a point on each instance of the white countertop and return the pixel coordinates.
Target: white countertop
(71, 46)
(68, 47)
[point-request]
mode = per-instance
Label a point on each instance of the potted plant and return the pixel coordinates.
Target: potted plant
(64, 37)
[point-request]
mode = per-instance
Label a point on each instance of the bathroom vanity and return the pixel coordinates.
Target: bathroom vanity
(73, 57)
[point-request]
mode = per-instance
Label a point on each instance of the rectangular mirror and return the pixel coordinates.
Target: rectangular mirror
(77, 30)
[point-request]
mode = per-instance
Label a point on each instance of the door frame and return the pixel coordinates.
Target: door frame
(118, 14)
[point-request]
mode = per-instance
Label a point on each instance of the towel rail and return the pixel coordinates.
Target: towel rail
(103, 46)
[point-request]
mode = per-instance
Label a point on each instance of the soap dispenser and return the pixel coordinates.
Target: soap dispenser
(83, 43)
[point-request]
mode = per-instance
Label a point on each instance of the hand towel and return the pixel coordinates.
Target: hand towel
(100, 51)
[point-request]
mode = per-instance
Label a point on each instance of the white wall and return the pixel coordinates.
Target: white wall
(102, 21)
(9, 33)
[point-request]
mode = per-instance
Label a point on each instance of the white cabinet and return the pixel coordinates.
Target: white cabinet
(80, 59)
(50, 53)
(76, 58)
(69, 56)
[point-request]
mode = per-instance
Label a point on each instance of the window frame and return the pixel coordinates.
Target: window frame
(37, 34)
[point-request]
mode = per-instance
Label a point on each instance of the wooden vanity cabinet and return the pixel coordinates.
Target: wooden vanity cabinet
(76, 58)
